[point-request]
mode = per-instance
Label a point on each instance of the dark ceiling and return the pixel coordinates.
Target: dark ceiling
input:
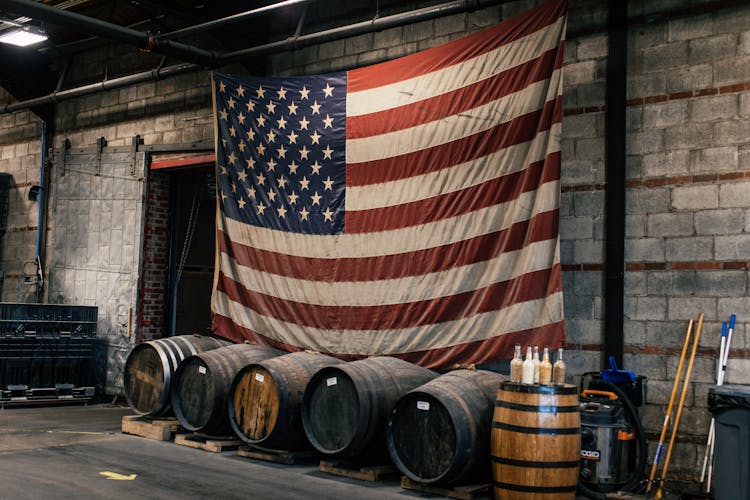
(57, 63)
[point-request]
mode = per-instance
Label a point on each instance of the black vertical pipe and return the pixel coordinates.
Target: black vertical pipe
(615, 120)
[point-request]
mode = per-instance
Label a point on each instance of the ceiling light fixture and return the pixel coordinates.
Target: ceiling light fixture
(23, 37)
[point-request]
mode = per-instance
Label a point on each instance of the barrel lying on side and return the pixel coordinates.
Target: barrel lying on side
(202, 383)
(265, 401)
(345, 408)
(536, 443)
(149, 370)
(440, 432)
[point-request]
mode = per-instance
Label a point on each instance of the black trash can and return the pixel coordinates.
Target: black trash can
(730, 406)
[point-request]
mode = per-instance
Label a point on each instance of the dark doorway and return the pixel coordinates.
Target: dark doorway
(191, 249)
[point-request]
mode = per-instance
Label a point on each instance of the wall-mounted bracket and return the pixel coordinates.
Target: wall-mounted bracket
(65, 149)
(100, 145)
(137, 141)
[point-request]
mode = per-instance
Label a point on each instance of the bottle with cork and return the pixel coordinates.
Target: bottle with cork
(527, 376)
(558, 369)
(545, 369)
(537, 362)
(516, 365)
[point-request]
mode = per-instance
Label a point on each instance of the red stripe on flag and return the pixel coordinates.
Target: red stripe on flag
(520, 129)
(452, 103)
(456, 51)
(500, 190)
(541, 227)
(530, 286)
(481, 351)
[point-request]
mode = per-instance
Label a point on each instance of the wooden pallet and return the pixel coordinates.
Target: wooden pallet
(354, 471)
(159, 429)
(205, 443)
(470, 492)
(278, 456)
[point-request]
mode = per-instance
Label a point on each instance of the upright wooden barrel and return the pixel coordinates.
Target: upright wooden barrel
(536, 445)
(202, 383)
(150, 368)
(345, 408)
(440, 432)
(266, 397)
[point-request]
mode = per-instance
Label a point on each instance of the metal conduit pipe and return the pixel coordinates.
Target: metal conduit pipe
(376, 24)
(152, 75)
(242, 16)
(289, 44)
(92, 26)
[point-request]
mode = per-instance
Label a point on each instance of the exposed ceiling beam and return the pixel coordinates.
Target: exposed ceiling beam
(92, 26)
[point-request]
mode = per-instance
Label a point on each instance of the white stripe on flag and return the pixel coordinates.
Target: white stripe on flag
(517, 317)
(456, 76)
(454, 127)
(508, 265)
(472, 173)
(408, 239)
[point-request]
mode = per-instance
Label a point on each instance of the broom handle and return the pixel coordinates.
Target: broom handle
(683, 395)
(665, 425)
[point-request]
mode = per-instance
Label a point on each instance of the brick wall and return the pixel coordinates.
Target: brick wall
(155, 258)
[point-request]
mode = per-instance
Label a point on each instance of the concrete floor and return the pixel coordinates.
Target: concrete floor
(70, 452)
(61, 452)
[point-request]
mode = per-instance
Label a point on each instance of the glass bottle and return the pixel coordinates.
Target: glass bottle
(516, 365)
(537, 363)
(527, 376)
(558, 369)
(545, 369)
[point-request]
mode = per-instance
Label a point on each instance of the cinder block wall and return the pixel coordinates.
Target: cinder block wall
(687, 246)
(688, 210)
(171, 111)
(686, 201)
(20, 156)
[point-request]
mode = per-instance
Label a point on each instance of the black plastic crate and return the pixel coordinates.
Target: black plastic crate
(47, 320)
(40, 362)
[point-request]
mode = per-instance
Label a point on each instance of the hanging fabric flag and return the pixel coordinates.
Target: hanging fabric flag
(409, 208)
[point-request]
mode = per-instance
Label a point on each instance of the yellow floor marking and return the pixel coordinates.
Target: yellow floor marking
(118, 477)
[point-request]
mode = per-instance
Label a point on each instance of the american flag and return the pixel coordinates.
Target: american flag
(408, 208)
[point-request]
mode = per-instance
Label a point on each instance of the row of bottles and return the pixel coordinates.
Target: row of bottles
(534, 370)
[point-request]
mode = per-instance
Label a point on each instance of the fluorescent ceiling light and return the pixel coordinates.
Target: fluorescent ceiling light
(22, 37)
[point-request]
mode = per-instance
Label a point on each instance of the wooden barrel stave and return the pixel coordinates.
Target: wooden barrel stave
(149, 370)
(345, 408)
(202, 384)
(266, 397)
(535, 442)
(440, 432)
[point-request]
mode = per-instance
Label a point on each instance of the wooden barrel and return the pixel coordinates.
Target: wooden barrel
(440, 432)
(150, 368)
(536, 441)
(264, 407)
(345, 408)
(202, 383)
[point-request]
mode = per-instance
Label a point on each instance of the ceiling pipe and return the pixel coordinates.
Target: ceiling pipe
(376, 24)
(114, 83)
(288, 44)
(235, 18)
(92, 26)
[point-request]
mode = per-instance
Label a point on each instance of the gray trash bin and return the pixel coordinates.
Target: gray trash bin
(730, 406)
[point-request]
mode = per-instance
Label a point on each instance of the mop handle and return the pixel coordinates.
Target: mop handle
(719, 380)
(725, 358)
